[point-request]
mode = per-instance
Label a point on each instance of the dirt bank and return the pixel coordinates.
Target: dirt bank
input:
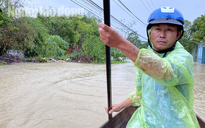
(8, 59)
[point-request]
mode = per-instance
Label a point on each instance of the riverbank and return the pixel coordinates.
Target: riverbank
(9, 59)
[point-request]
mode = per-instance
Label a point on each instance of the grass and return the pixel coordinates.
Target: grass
(2, 63)
(118, 62)
(64, 57)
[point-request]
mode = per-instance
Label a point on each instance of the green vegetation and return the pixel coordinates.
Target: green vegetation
(198, 28)
(133, 37)
(187, 40)
(2, 63)
(52, 36)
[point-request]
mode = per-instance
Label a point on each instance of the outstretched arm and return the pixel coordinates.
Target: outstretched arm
(146, 60)
(112, 38)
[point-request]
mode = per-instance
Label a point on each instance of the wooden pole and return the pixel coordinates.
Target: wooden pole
(106, 4)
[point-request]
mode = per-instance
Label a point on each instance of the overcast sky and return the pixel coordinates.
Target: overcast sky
(191, 9)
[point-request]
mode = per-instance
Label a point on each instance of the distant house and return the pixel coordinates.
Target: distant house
(201, 53)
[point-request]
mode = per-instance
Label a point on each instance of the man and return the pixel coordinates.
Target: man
(164, 73)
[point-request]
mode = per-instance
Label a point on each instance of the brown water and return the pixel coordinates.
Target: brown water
(199, 89)
(68, 95)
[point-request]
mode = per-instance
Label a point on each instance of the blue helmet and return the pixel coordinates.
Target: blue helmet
(168, 15)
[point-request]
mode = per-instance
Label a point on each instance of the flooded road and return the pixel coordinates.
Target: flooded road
(69, 95)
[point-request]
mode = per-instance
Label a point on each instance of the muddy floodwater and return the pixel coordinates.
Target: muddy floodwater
(69, 95)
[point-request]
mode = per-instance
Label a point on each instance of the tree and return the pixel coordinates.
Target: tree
(58, 25)
(134, 39)
(54, 47)
(94, 47)
(4, 19)
(187, 41)
(4, 22)
(18, 35)
(40, 35)
(144, 45)
(14, 33)
(198, 28)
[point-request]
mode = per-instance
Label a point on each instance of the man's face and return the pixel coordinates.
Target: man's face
(164, 36)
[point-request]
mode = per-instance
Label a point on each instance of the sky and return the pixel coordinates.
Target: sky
(191, 9)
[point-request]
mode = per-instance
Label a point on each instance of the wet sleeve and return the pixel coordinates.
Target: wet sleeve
(175, 69)
(136, 95)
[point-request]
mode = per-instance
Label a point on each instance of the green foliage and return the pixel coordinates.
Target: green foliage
(89, 41)
(76, 37)
(40, 35)
(82, 31)
(93, 21)
(4, 19)
(18, 35)
(198, 28)
(47, 36)
(144, 45)
(15, 33)
(117, 55)
(59, 41)
(64, 57)
(134, 39)
(94, 47)
(2, 63)
(187, 40)
(54, 47)
(59, 25)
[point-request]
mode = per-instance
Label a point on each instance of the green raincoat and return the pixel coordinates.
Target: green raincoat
(163, 90)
